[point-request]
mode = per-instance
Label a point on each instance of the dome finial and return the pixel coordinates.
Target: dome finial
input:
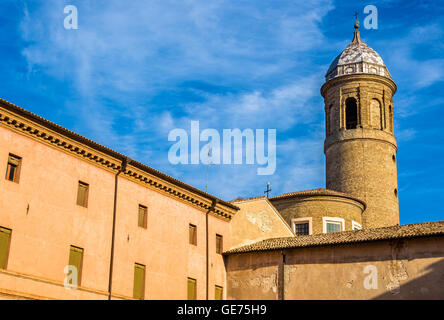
(356, 36)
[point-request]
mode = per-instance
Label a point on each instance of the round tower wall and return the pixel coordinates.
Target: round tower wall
(318, 210)
(361, 160)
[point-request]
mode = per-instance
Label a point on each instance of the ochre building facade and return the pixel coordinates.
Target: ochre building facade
(62, 192)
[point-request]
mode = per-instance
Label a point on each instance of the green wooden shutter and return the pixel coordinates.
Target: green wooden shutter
(142, 216)
(219, 244)
(191, 289)
(76, 260)
(193, 234)
(139, 281)
(218, 294)
(82, 194)
(5, 237)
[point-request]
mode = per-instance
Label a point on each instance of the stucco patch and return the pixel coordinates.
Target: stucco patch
(262, 220)
(397, 273)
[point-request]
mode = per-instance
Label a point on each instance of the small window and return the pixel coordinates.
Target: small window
(13, 168)
(191, 289)
(193, 234)
(391, 119)
(143, 216)
(82, 194)
(302, 228)
(332, 224)
(351, 113)
(396, 193)
(76, 260)
(331, 119)
(5, 240)
(356, 226)
(139, 282)
(219, 244)
(333, 227)
(219, 293)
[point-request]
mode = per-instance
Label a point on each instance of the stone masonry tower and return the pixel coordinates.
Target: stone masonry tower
(360, 146)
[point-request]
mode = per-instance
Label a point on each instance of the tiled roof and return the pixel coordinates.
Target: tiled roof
(316, 192)
(348, 237)
(357, 57)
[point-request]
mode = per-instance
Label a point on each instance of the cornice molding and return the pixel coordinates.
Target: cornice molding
(358, 77)
(37, 128)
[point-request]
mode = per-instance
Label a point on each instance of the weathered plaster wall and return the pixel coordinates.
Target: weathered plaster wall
(404, 269)
(256, 220)
(252, 276)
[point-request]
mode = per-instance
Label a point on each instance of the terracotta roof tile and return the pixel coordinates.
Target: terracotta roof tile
(388, 233)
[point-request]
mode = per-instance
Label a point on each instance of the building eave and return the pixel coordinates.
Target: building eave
(38, 128)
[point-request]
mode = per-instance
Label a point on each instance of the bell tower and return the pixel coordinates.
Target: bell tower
(360, 146)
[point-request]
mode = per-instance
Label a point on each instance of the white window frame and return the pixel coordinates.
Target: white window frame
(326, 220)
(357, 225)
(308, 220)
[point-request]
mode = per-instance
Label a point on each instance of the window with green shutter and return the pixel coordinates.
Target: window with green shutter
(139, 282)
(82, 194)
(191, 289)
(76, 260)
(5, 239)
(193, 234)
(218, 294)
(143, 216)
(219, 244)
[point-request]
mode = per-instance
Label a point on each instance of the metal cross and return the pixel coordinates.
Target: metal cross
(356, 15)
(268, 189)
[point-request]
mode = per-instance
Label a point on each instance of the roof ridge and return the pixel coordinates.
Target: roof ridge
(414, 230)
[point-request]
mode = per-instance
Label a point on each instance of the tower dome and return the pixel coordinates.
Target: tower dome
(358, 57)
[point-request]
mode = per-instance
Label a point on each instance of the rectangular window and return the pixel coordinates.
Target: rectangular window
(191, 289)
(219, 244)
(143, 216)
(219, 293)
(82, 194)
(356, 226)
(13, 168)
(302, 229)
(139, 282)
(5, 239)
(333, 227)
(193, 234)
(76, 260)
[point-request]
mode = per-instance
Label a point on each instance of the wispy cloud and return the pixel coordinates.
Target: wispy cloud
(140, 69)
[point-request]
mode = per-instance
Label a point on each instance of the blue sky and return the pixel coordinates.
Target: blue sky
(135, 70)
